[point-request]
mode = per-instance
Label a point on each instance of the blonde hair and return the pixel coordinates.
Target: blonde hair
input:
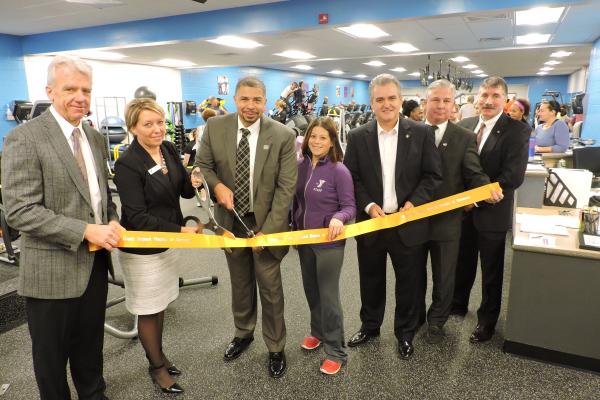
(136, 106)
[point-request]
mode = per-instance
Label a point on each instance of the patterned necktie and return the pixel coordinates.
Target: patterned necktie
(480, 135)
(241, 195)
(79, 154)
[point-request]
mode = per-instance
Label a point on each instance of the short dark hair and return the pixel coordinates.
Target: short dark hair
(495, 82)
(408, 106)
(335, 153)
(253, 82)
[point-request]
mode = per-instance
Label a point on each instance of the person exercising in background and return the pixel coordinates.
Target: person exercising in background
(213, 103)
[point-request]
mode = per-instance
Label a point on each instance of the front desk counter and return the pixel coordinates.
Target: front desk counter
(551, 159)
(554, 299)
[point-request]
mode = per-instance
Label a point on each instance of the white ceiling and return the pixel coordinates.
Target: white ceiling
(487, 38)
(25, 17)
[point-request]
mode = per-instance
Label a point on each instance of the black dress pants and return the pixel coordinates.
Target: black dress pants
(406, 260)
(70, 330)
(490, 248)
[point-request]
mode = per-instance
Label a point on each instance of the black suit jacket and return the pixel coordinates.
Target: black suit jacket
(150, 202)
(504, 160)
(461, 171)
(418, 173)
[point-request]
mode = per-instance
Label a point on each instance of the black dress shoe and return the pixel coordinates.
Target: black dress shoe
(361, 337)
(406, 349)
(173, 389)
(481, 334)
(277, 364)
(236, 348)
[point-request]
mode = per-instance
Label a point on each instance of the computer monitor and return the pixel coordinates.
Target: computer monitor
(21, 110)
(587, 158)
(39, 107)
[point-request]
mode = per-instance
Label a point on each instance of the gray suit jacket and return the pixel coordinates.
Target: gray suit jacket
(275, 171)
(47, 200)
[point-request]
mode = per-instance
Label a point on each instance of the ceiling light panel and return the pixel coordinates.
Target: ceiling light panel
(561, 53)
(533, 38)
(375, 63)
(539, 16)
(542, 73)
(295, 54)
(553, 62)
(336, 72)
(400, 47)
(235, 41)
(303, 67)
(360, 76)
(546, 69)
(460, 59)
(470, 66)
(398, 69)
(415, 74)
(364, 31)
(483, 75)
(477, 71)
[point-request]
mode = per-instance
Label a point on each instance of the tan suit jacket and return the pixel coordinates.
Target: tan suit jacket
(275, 171)
(47, 200)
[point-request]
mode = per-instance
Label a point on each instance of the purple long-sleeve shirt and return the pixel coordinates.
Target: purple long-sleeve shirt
(323, 193)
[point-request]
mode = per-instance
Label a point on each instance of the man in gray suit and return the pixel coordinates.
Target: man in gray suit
(461, 171)
(54, 188)
(249, 162)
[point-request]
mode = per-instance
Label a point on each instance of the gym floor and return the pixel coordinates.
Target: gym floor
(198, 327)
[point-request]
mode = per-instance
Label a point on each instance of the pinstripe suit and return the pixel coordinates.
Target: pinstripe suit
(65, 285)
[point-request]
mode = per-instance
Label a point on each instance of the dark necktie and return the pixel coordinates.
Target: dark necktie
(480, 135)
(79, 154)
(435, 135)
(241, 195)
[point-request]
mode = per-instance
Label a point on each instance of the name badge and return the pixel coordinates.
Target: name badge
(154, 169)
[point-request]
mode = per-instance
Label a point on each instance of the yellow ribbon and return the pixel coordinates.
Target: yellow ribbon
(139, 239)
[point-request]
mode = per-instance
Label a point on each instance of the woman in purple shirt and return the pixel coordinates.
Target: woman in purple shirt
(553, 135)
(324, 198)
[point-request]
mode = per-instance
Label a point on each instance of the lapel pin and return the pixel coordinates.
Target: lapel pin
(407, 136)
(444, 144)
(266, 147)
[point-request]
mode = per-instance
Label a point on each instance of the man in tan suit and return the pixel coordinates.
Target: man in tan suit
(249, 162)
(54, 187)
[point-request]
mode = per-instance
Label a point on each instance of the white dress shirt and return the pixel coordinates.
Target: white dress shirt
(439, 132)
(252, 141)
(388, 145)
(88, 158)
(489, 125)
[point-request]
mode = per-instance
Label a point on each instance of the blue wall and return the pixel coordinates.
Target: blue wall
(198, 84)
(591, 124)
(14, 81)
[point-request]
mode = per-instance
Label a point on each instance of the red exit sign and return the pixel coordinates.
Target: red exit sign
(323, 19)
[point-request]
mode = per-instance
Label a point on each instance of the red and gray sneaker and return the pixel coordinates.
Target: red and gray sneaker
(310, 343)
(330, 367)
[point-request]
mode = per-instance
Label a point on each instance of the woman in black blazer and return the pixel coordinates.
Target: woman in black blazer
(150, 179)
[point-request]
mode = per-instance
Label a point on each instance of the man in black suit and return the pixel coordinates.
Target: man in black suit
(502, 145)
(462, 171)
(395, 166)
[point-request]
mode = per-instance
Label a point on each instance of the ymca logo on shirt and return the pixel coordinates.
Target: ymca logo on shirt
(319, 187)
